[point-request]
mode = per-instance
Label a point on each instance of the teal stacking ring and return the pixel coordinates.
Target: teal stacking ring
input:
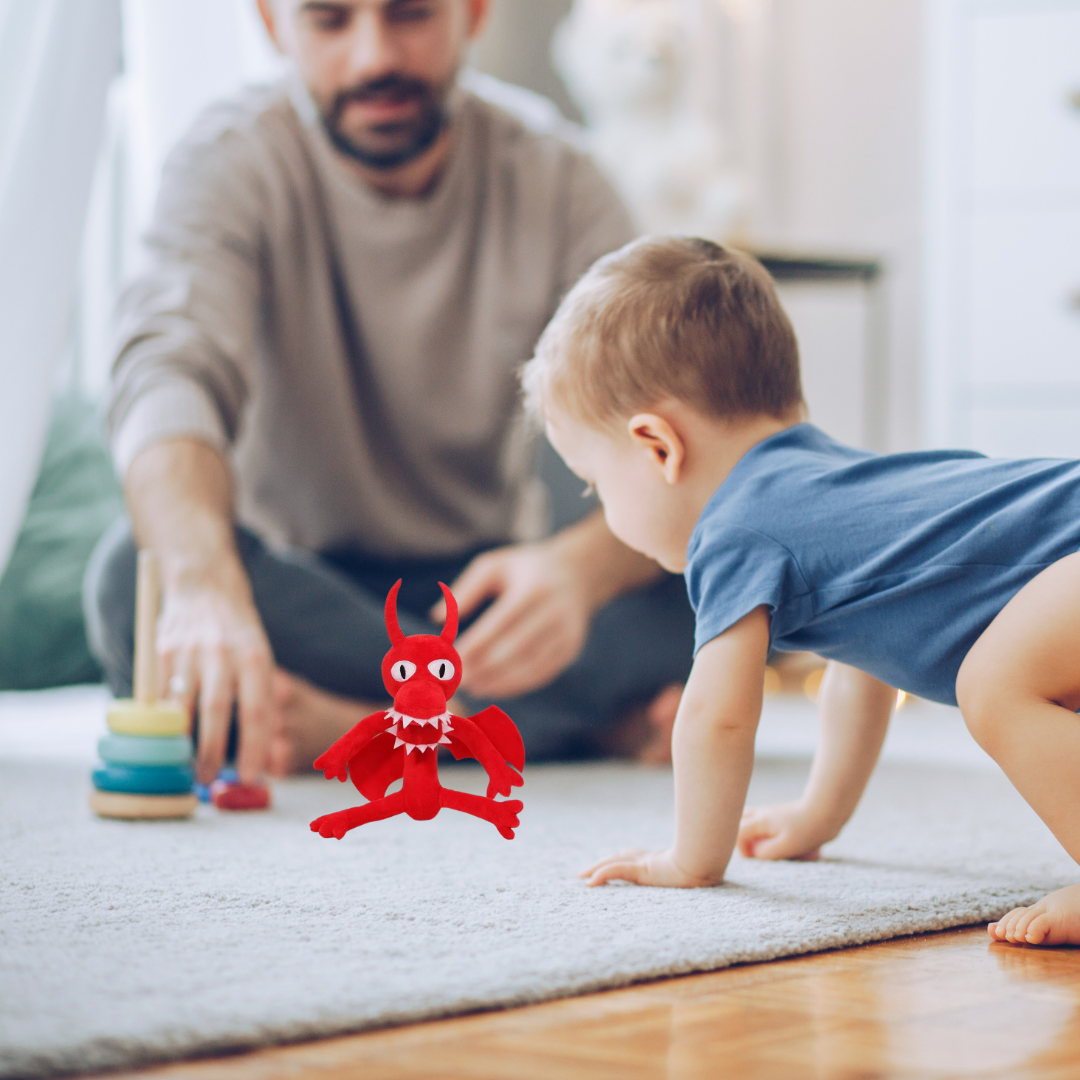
(143, 750)
(145, 779)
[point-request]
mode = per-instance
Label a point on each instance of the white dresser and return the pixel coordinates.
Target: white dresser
(1002, 226)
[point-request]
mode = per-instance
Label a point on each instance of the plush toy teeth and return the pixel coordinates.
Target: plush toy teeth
(397, 730)
(405, 720)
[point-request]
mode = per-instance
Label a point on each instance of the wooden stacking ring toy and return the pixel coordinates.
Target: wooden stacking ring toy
(148, 753)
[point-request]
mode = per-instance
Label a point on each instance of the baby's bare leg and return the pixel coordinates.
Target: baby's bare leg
(1019, 689)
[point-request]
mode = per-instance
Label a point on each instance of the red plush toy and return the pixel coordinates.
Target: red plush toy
(421, 673)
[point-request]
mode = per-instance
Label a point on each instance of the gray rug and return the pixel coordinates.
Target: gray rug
(123, 944)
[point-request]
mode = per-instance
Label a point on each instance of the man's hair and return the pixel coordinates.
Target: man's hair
(667, 317)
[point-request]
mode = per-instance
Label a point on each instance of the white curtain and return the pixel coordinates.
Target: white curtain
(179, 55)
(57, 58)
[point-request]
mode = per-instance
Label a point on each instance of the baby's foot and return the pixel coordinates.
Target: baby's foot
(1054, 920)
(644, 733)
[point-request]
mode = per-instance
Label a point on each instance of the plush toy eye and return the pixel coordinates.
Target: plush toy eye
(402, 670)
(441, 669)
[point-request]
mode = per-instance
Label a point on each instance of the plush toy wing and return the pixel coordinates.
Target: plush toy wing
(503, 733)
(377, 766)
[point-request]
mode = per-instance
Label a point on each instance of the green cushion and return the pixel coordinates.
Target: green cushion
(76, 497)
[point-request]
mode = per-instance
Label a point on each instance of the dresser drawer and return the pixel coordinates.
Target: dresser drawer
(1023, 78)
(1021, 300)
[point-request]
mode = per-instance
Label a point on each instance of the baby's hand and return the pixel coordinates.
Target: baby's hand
(783, 831)
(644, 868)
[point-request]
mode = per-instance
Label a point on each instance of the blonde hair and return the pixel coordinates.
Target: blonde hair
(667, 317)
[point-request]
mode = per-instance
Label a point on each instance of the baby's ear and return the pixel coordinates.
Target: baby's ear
(657, 438)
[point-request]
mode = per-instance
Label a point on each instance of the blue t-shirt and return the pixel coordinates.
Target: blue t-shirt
(892, 563)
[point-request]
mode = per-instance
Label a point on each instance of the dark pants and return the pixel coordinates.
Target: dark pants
(324, 617)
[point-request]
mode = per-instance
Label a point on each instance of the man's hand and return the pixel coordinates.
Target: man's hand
(782, 831)
(644, 868)
(535, 627)
(209, 635)
(545, 595)
(216, 644)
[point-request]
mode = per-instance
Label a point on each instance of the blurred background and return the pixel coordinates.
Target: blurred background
(909, 171)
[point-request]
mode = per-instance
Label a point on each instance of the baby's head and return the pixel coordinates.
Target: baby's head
(664, 340)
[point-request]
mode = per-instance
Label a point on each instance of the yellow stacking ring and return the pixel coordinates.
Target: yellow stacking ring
(129, 717)
(114, 804)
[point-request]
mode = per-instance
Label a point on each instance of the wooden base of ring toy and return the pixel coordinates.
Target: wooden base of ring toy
(145, 750)
(130, 717)
(113, 804)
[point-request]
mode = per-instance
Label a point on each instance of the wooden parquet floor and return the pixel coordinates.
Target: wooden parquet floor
(937, 1005)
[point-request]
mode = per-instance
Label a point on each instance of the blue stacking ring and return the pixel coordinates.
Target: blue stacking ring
(145, 749)
(228, 774)
(145, 779)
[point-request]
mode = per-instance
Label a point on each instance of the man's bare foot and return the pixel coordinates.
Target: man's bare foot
(306, 721)
(644, 734)
(1054, 920)
(661, 717)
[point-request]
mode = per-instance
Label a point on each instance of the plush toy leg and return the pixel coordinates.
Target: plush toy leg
(503, 815)
(340, 823)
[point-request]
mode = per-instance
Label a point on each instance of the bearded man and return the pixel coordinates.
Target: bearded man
(315, 394)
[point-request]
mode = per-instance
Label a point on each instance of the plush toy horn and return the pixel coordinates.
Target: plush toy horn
(449, 630)
(392, 627)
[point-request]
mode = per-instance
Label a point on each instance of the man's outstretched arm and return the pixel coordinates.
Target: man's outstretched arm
(545, 595)
(179, 493)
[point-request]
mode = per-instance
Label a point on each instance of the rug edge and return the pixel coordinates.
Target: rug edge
(99, 1055)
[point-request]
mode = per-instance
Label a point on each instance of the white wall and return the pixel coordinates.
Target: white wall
(843, 171)
(179, 56)
(821, 104)
(515, 47)
(828, 127)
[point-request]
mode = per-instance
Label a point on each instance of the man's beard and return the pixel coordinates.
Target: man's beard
(393, 144)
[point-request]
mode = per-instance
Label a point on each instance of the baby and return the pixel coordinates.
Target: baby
(669, 381)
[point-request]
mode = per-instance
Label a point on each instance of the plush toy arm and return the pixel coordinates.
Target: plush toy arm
(502, 776)
(335, 761)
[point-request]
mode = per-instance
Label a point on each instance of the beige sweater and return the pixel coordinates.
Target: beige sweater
(356, 355)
